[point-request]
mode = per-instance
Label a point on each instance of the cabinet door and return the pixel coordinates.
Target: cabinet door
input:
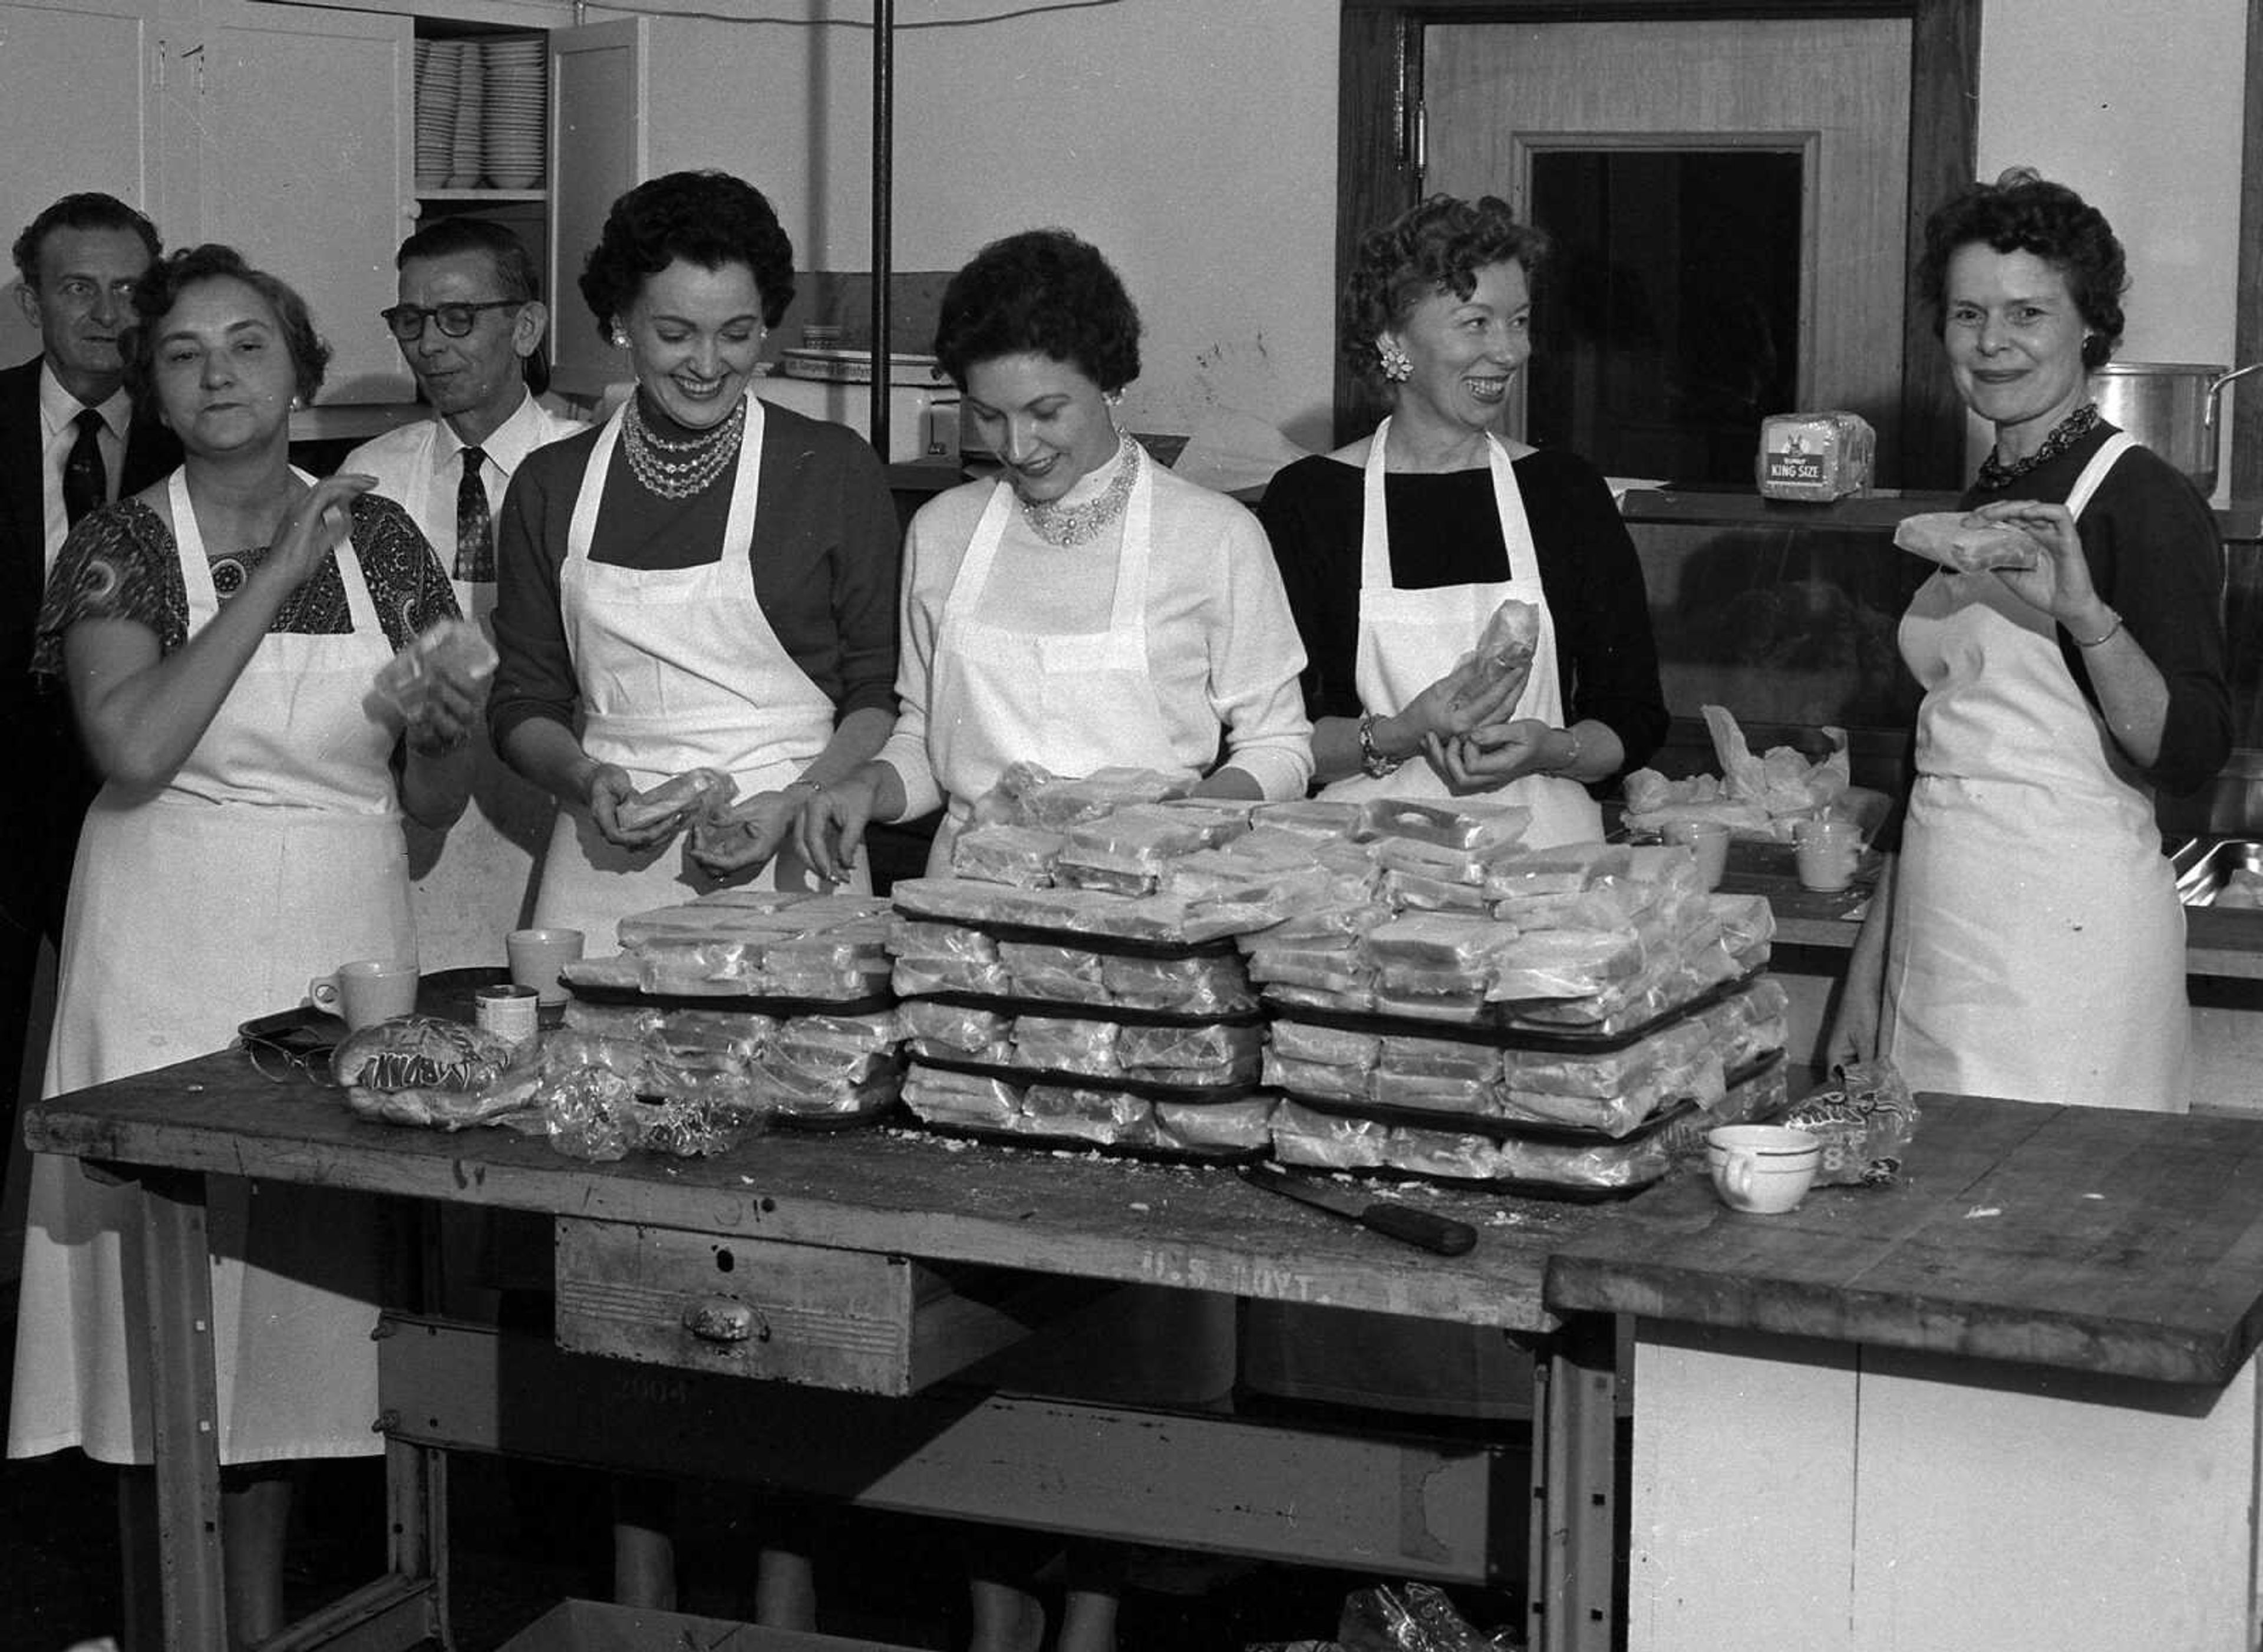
(95, 70)
(306, 168)
(597, 104)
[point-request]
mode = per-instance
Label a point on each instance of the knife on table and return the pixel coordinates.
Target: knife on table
(1447, 1237)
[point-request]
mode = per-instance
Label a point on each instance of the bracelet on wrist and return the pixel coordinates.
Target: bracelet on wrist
(2103, 638)
(1372, 763)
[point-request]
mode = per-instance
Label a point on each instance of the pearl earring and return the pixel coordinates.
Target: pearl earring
(620, 338)
(1397, 366)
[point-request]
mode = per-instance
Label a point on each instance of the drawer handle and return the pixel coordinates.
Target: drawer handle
(723, 1319)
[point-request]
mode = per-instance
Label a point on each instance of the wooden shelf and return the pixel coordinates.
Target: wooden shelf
(484, 194)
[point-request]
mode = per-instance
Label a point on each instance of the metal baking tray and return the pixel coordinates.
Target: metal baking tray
(2205, 867)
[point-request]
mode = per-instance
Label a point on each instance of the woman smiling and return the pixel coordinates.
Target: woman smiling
(2028, 941)
(703, 582)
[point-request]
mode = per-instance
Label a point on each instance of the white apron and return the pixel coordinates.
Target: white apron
(1002, 694)
(1410, 639)
(1074, 704)
(2037, 949)
(272, 855)
(678, 669)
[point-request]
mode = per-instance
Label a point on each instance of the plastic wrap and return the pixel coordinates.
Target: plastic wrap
(1067, 1046)
(961, 1098)
(1240, 1126)
(1001, 853)
(1334, 969)
(1564, 869)
(1329, 1081)
(1465, 947)
(1208, 985)
(1300, 1040)
(1218, 1055)
(943, 1029)
(1304, 1135)
(1565, 963)
(1410, 890)
(1314, 818)
(1471, 824)
(1439, 1058)
(447, 650)
(1067, 974)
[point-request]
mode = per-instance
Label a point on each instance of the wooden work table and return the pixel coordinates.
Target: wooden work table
(2031, 1352)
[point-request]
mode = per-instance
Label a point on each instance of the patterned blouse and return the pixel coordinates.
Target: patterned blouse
(120, 562)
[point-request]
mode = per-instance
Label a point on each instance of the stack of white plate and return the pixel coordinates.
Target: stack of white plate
(439, 71)
(516, 111)
(466, 146)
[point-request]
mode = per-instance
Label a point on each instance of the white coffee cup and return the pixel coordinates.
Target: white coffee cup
(1826, 851)
(1763, 1169)
(367, 990)
(539, 956)
(1706, 839)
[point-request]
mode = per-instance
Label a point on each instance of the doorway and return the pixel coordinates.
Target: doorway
(1638, 108)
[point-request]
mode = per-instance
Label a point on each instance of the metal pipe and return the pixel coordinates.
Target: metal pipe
(884, 69)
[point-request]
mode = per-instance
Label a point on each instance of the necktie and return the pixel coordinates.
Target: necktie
(474, 534)
(86, 483)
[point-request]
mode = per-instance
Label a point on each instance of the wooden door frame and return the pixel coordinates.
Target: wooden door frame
(2246, 479)
(1379, 98)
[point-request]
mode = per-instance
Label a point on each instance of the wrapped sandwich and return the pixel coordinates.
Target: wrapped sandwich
(419, 1070)
(1967, 544)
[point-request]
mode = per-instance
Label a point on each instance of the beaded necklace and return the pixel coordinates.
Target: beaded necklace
(1995, 473)
(1072, 525)
(679, 470)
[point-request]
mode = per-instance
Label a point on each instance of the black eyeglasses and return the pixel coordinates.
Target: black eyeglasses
(455, 321)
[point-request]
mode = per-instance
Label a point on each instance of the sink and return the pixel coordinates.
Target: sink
(2230, 867)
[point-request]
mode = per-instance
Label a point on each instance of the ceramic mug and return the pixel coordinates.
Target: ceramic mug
(1826, 851)
(538, 957)
(367, 990)
(1763, 1169)
(1706, 839)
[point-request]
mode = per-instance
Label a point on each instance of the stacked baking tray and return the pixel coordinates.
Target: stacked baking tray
(1052, 1034)
(785, 994)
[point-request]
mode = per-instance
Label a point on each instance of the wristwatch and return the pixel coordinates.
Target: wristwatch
(1372, 763)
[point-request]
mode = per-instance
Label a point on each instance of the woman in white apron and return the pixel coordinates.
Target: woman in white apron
(2029, 943)
(1395, 550)
(701, 582)
(248, 837)
(1087, 609)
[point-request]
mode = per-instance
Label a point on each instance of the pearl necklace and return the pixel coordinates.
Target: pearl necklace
(1072, 525)
(679, 470)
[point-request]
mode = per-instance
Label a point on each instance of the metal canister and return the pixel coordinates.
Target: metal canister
(508, 1011)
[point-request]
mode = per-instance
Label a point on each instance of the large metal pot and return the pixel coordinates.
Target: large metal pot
(2170, 406)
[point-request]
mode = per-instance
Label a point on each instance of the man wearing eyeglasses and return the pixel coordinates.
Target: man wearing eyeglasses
(69, 443)
(470, 322)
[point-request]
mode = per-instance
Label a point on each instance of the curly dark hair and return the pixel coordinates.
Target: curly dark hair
(90, 209)
(1041, 292)
(707, 218)
(2021, 212)
(160, 290)
(1437, 245)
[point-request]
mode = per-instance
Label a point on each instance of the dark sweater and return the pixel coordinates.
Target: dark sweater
(2157, 560)
(1444, 531)
(824, 551)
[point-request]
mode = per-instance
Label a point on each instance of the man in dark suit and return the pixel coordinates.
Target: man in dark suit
(68, 442)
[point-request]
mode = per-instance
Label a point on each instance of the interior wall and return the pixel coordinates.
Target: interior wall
(1193, 142)
(2140, 110)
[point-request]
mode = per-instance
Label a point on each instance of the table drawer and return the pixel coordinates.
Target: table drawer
(789, 1313)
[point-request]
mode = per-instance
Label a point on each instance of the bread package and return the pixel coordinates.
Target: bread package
(419, 1070)
(1865, 1117)
(1816, 457)
(677, 799)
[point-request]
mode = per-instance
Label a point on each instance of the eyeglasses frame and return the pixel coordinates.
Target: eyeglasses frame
(429, 315)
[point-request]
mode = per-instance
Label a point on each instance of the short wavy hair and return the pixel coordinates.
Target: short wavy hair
(1042, 293)
(1437, 245)
(90, 209)
(2023, 212)
(160, 290)
(708, 217)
